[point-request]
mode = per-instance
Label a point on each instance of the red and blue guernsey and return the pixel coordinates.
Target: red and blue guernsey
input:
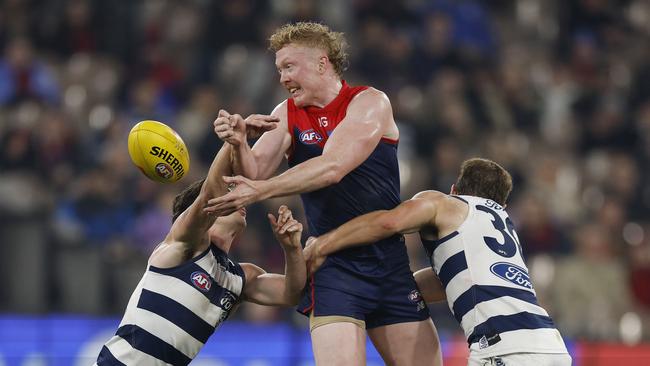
(373, 185)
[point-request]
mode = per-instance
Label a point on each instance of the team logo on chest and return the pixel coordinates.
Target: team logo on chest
(201, 281)
(310, 137)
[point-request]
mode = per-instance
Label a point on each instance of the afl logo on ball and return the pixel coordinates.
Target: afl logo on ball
(201, 281)
(164, 171)
(310, 137)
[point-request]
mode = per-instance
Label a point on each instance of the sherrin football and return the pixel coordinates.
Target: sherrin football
(158, 151)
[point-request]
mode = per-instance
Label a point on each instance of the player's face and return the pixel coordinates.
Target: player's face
(299, 72)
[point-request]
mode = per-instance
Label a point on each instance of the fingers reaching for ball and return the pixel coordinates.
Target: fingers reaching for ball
(286, 229)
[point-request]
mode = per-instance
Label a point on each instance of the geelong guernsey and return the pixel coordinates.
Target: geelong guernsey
(173, 311)
(488, 287)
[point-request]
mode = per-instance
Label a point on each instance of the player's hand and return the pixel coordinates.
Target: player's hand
(257, 124)
(230, 128)
(246, 191)
(312, 255)
(286, 229)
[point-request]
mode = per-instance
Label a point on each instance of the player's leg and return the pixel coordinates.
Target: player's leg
(338, 300)
(401, 328)
(337, 318)
(338, 340)
(412, 343)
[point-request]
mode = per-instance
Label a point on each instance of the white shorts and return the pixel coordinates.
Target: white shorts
(522, 359)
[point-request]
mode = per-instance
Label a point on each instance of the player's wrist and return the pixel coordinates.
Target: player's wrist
(235, 143)
(296, 243)
(240, 144)
(251, 134)
(321, 247)
(291, 246)
(263, 190)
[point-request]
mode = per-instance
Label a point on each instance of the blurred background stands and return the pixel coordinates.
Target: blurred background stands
(556, 91)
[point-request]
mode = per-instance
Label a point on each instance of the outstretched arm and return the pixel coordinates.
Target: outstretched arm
(275, 289)
(187, 234)
(410, 216)
(192, 224)
(369, 118)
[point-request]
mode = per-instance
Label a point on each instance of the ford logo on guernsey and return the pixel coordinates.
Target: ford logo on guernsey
(201, 281)
(512, 273)
(310, 137)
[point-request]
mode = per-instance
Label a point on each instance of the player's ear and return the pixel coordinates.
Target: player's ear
(453, 189)
(321, 64)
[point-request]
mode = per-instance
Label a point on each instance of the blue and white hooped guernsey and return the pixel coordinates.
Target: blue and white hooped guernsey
(488, 287)
(173, 311)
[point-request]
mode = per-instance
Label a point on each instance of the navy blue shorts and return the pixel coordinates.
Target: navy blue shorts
(379, 297)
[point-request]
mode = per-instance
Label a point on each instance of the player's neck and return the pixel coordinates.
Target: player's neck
(330, 90)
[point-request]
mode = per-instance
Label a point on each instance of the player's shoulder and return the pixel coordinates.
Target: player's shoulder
(442, 201)
(371, 98)
(280, 110)
(431, 195)
(371, 92)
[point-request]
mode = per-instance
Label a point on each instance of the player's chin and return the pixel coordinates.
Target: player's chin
(239, 221)
(300, 100)
(243, 222)
(235, 221)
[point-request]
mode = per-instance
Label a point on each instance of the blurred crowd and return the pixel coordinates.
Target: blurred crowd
(557, 91)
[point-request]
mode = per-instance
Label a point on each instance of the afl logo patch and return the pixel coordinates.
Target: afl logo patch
(201, 281)
(415, 296)
(511, 273)
(310, 137)
(164, 171)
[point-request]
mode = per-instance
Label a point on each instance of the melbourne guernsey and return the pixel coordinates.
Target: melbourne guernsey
(373, 185)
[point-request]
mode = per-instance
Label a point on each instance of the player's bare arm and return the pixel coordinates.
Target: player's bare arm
(430, 286)
(272, 146)
(264, 158)
(275, 289)
(187, 233)
(369, 118)
(408, 217)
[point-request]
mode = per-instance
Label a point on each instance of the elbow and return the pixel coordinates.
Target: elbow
(388, 225)
(203, 197)
(330, 171)
(293, 293)
(332, 175)
(293, 300)
(435, 297)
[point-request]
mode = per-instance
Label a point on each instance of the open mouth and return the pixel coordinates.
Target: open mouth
(242, 211)
(294, 91)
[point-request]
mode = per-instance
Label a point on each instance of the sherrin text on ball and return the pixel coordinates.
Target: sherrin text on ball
(158, 151)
